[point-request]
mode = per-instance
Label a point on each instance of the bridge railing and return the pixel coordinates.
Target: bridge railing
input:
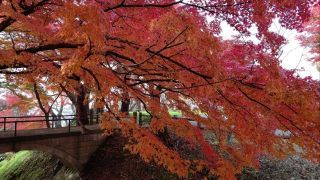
(11, 123)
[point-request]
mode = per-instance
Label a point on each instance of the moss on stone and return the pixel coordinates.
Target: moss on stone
(33, 165)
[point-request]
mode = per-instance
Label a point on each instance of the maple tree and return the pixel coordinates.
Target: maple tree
(312, 27)
(312, 38)
(33, 100)
(14, 105)
(8, 103)
(109, 50)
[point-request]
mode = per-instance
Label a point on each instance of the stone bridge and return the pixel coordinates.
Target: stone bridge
(69, 145)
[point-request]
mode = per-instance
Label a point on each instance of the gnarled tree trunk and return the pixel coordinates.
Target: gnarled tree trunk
(82, 106)
(78, 99)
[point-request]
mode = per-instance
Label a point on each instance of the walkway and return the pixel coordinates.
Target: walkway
(66, 143)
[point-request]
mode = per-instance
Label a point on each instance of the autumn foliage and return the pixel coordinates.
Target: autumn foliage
(145, 48)
(311, 38)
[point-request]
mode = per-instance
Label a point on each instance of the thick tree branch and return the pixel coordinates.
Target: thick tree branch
(27, 11)
(179, 64)
(48, 47)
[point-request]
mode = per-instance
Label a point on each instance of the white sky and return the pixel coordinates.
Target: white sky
(293, 55)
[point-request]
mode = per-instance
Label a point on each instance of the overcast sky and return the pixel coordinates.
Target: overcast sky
(293, 55)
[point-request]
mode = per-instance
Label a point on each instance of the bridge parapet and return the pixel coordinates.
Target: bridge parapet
(72, 147)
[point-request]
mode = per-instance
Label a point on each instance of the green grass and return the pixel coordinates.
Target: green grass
(176, 113)
(34, 165)
(145, 117)
(25, 165)
(11, 166)
(172, 113)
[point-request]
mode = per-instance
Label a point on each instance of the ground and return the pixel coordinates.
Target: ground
(111, 162)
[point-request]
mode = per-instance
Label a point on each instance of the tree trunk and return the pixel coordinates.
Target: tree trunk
(41, 106)
(47, 120)
(125, 102)
(81, 106)
(78, 100)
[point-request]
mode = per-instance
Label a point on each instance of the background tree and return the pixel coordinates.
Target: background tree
(147, 48)
(312, 37)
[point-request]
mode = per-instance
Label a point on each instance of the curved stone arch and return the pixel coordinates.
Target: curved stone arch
(74, 150)
(67, 159)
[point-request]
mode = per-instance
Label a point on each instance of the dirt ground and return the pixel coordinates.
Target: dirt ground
(111, 162)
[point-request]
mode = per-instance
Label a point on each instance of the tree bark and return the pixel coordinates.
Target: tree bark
(78, 100)
(125, 102)
(82, 106)
(41, 106)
